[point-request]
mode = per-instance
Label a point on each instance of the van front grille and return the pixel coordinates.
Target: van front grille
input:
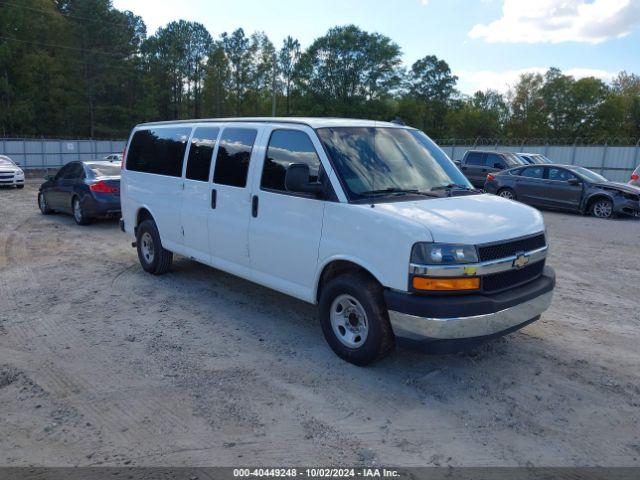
(507, 249)
(512, 278)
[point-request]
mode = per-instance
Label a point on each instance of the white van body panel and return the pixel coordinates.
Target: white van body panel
(142, 192)
(294, 238)
(474, 219)
(373, 238)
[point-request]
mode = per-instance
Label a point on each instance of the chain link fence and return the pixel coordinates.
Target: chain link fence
(615, 158)
(44, 153)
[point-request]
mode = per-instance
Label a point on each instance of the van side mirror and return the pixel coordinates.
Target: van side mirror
(573, 181)
(296, 179)
(458, 163)
(48, 178)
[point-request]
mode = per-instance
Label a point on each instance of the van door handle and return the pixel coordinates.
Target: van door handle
(254, 206)
(213, 198)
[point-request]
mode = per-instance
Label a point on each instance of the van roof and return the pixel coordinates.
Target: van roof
(313, 122)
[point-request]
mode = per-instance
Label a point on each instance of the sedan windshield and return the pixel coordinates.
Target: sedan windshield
(541, 159)
(589, 175)
(389, 161)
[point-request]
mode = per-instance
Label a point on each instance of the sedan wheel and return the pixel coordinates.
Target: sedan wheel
(78, 215)
(602, 208)
(42, 204)
(508, 194)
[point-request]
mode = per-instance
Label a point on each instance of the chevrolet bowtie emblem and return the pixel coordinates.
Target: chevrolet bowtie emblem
(521, 260)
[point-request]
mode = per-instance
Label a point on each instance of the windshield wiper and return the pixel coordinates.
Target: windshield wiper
(398, 191)
(451, 186)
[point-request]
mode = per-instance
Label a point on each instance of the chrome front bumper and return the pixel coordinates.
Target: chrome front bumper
(419, 328)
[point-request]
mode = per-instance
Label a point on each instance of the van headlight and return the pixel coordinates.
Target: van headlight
(424, 253)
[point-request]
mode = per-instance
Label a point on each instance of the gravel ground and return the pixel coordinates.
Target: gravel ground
(102, 364)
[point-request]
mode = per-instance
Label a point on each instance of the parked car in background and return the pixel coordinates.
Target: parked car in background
(369, 220)
(476, 164)
(114, 157)
(10, 173)
(565, 187)
(635, 177)
(86, 190)
(534, 158)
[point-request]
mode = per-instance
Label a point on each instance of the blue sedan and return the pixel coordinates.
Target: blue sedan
(85, 190)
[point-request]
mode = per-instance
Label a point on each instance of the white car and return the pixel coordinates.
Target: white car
(113, 157)
(10, 173)
(369, 220)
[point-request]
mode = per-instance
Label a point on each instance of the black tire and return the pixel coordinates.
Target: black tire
(43, 205)
(601, 208)
(19, 187)
(158, 260)
(505, 192)
(78, 215)
(379, 341)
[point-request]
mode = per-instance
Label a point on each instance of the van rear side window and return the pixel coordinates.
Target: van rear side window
(158, 150)
(234, 153)
(200, 153)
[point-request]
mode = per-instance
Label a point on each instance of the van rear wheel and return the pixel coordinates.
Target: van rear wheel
(354, 319)
(153, 257)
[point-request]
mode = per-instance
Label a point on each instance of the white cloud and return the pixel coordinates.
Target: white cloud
(555, 21)
(472, 81)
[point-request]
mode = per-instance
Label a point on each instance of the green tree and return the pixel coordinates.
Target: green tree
(216, 83)
(288, 58)
(528, 115)
(237, 49)
(346, 68)
(431, 90)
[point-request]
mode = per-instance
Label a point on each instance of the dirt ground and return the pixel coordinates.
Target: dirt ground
(102, 364)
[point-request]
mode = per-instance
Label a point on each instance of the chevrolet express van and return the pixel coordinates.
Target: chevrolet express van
(369, 220)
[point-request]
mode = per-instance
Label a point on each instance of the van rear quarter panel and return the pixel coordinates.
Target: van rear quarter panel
(370, 237)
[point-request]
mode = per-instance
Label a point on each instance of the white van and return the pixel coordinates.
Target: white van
(369, 220)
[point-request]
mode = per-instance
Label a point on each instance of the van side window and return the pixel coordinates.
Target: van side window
(473, 158)
(234, 153)
(285, 148)
(158, 150)
(202, 144)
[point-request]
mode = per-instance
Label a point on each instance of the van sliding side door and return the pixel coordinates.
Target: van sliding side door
(230, 199)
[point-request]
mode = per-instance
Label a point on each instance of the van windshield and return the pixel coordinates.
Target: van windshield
(388, 161)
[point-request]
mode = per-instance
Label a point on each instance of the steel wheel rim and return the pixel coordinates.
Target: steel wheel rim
(349, 321)
(146, 247)
(77, 213)
(41, 202)
(602, 209)
(506, 194)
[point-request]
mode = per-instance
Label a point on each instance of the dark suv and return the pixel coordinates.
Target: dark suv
(476, 164)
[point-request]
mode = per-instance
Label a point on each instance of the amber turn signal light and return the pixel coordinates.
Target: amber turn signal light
(446, 284)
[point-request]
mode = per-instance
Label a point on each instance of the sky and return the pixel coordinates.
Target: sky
(487, 43)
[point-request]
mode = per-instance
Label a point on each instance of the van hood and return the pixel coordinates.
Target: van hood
(472, 219)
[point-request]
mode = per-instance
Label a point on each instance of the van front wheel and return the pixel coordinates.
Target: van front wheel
(153, 257)
(354, 319)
